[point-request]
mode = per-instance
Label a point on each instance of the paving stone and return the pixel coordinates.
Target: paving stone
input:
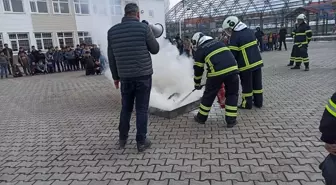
(64, 131)
(80, 182)
(113, 182)
(95, 182)
(43, 182)
(58, 182)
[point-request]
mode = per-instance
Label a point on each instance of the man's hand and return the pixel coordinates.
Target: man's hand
(144, 21)
(331, 148)
(116, 84)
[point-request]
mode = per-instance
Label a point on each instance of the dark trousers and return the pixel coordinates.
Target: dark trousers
(10, 66)
(282, 40)
(261, 44)
(270, 45)
(252, 91)
(301, 55)
(25, 67)
(67, 65)
(82, 64)
(72, 63)
(328, 167)
(292, 56)
(138, 90)
(59, 65)
(76, 64)
(212, 87)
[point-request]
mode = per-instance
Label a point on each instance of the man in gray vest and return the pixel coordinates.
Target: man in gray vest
(129, 46)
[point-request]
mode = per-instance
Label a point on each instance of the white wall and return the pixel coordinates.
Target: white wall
(16, 22)
(158, 7)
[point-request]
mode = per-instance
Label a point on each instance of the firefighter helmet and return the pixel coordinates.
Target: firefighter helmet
(230, 22)
(301, 16)
(199, 38)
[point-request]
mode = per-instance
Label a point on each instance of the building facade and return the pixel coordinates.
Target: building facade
(46, 23)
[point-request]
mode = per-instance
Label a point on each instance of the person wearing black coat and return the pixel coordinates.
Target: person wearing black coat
(282, 39)
(328, 130)
(9, 53)
(95, 52)
(89, 62)
(259, 35)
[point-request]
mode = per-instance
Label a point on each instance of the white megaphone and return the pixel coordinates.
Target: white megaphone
(157, 29)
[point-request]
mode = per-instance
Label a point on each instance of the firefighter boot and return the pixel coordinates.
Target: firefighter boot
(296, 67)
(231, 122)
(198, 120)
(246, 103)
(306, 66)
(291, 63)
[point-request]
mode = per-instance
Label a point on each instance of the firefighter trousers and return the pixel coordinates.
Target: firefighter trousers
(301, 56)
(212, 87)
(252, 91)
(292, 56)
(328, 167)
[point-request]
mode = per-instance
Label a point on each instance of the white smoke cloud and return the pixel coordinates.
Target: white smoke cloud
(172, 74)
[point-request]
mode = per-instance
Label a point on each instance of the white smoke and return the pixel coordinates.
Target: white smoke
(172, 74)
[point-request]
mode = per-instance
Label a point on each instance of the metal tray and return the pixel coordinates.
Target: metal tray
(176, 112)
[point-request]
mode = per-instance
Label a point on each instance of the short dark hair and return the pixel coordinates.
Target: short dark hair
(131, 9)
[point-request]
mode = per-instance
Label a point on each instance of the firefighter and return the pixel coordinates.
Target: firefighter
(221, 68)
(328, 130)
(243, 45)
(302, 37)
(292, 56)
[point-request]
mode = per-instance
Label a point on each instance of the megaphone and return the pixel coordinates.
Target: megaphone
(157, 29)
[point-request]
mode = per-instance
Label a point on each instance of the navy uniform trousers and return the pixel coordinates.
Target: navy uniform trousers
(252, 91)
(328, 167)
(212, 87)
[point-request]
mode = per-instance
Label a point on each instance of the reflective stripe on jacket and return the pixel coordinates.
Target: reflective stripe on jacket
(328, 121)
(302, 35)
(243, 45)
(217, 57)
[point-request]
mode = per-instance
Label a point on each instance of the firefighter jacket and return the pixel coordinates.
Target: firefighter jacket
(218, 59)
(328, 122)
(243, 45)
(302, 35)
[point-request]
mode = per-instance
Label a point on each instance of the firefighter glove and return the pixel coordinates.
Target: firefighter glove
(198, 87)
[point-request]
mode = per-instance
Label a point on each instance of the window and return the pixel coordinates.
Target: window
(43, 40)
(38, 6)
(61, 6)
(82, 6)
(65, 39)
(18, 40)
(84, 37)
(1, 41)
(99, 8)
(115, 7)
(13, 5)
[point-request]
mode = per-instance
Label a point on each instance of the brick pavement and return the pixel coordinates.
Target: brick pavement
(62, 129)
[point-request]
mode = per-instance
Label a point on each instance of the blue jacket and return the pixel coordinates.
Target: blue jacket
(217, 57)
(244, 47)
(129, 46)
(58, 56)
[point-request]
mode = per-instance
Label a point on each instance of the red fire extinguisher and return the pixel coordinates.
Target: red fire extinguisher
(221, 96)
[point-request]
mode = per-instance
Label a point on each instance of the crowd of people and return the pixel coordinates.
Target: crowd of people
(270, 41)
(83, 57)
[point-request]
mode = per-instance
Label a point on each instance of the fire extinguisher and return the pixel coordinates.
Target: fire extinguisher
(221, 96)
